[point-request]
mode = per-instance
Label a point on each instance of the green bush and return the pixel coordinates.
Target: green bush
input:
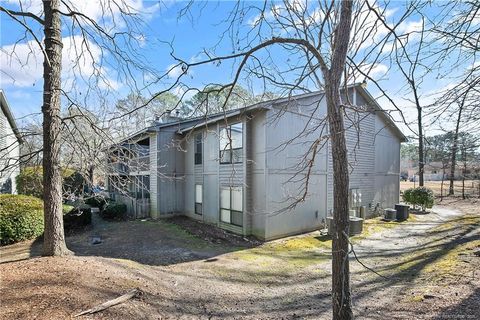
(97, 201)
(29, 181)
(420, 196)
(77, 219)
(21, 218)
(115, 211)
(74, 184)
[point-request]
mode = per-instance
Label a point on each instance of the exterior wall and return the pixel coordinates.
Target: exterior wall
(387, 167)
(286, 168)
(360, 136)
(256, 176)
(170, 173)
(374, 158)
(211, 174)
(9, 154)
(154, 212)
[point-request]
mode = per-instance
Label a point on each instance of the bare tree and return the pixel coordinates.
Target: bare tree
(87, 44)
(317, 39)
(54, 243)
(456, 40)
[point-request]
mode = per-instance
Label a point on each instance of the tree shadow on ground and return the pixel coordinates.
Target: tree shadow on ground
(468, 308)
(412, 266)
(147, 242)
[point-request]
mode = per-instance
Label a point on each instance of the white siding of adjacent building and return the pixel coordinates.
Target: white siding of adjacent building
(9, 153)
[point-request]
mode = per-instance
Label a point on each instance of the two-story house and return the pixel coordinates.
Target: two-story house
(263, 170)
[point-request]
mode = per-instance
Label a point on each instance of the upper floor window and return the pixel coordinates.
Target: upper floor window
(231, 143)
(198, 148)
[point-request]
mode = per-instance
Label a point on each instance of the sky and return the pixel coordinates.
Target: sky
(162, 31)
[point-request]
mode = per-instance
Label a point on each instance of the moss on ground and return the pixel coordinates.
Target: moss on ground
(441, 258)
(452, 224)
(451, 260)
(377, 225)
(306, 250)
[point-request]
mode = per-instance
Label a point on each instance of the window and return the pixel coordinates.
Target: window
(198, 199)
(198, 148)
(231, 205)
(231, 143)
(139, 187)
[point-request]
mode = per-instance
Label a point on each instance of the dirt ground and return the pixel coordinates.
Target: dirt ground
(425, 268)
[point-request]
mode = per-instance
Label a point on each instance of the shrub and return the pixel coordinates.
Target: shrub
(77, 219)
(97, 201)
(29, 181)
(115, 211)
(420, 196)
(74, 183)
(408, 196)
(21, 218)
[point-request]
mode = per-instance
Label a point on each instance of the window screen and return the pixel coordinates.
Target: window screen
(231, 143)
(198, 148)
(198, 199)
(231, 205)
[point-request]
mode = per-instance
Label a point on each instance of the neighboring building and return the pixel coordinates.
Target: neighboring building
(243, 170)
(10, 140)
(435, 170)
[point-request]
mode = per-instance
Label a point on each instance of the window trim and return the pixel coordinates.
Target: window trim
(230, 150)
(231, 188)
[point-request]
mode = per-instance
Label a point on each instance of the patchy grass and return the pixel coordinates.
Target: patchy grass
(450, 262)
(305, 250)
(287, 255)
(442, 258)
(466, 220)
(376, 225)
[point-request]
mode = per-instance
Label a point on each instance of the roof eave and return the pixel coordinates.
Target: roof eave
(11, 120)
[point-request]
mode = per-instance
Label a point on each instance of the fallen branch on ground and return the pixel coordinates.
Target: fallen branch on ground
(130, 294)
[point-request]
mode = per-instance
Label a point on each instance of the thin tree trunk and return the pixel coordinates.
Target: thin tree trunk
(464, 154)
(91, 170)
(341, 299)
(451, 190)
(340, 264)
(421, 155)
(54, 239)
(443, 178)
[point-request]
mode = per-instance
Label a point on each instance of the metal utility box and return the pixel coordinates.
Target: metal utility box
(401, 212)
(390, 214)
(356, 225)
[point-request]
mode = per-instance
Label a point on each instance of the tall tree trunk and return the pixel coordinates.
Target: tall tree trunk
(451, 190)
(340, 264)
(54, 239)
(341, 299)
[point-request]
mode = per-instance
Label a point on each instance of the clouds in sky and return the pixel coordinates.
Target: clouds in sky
(22, 64)
(97, 10)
